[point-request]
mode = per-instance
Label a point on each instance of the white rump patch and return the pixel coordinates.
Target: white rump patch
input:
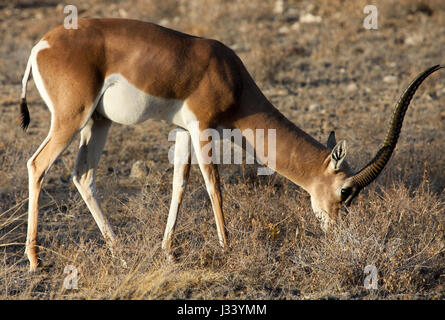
(41, 45)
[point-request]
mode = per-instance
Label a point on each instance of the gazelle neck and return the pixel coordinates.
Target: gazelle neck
(299, 157)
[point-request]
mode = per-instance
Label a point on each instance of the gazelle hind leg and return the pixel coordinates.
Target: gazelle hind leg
(92, 141)
(212, 183)
(58, 139)
(181, 172)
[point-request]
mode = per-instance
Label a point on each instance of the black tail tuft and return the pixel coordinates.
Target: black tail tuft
(24, 112)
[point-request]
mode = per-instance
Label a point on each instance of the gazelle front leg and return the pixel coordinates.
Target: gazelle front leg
(92, 141)
(181, 172)
(211, 178)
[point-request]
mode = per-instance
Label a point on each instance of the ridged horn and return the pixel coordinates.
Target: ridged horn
(371, 171)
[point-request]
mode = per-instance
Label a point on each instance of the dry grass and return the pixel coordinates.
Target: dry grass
(277, 249)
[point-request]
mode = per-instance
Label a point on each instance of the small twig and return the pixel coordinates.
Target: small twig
(18, 204)
(13, 244)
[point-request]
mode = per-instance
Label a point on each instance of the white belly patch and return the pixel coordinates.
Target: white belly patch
(123, 103)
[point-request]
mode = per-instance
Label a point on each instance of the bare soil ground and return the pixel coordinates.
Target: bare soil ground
(330, 74)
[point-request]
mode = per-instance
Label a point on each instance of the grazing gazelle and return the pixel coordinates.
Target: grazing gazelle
(126, 71)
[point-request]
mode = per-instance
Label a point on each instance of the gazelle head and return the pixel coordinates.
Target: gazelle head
(330, 188)
(337, 185)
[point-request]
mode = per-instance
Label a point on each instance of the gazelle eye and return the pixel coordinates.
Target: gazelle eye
(345, 193)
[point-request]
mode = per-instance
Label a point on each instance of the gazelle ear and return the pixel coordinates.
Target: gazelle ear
(331, 140)
(338, 154)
